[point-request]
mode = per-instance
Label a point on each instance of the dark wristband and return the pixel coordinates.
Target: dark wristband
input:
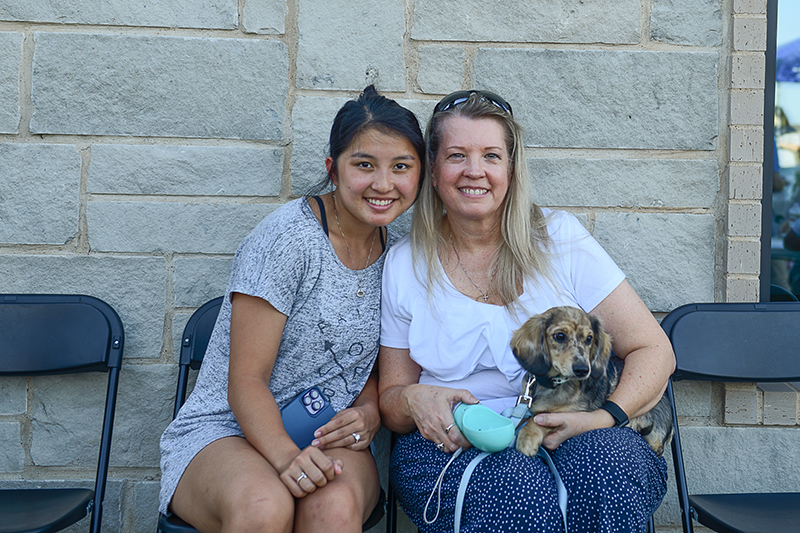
(616, 412)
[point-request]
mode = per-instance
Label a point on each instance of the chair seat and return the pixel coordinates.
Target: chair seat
(751, 513)
(42, 510)
(173, 524)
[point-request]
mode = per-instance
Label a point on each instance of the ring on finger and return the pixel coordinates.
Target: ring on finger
(440, 446)
(303, 476)
(357, 436)
(448, 428)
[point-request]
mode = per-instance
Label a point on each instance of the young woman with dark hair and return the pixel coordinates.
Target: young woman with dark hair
(301, 310)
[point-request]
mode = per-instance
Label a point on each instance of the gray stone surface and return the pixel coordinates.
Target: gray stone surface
(558, 21)
(134, 286)
(33, 176)
(624, 182)
(367, 37)
(722, 459)
(312, 117)
(264, 16)
(441, 68)
(197, 280)
(581, 99)
(741, 407)
(144, 408)
(178, 227)
(102, 84)
(145, 504)
(217, 14)
(67, 414)
(780, 404)
(10, 58)
(667, 257)
(694, 398)
(687, 22)
(12, 455)
(13, 395)
(187, 170)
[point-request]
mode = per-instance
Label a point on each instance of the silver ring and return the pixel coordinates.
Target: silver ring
(302, 477)
(440, 446)
(448, 428)
(357, 436)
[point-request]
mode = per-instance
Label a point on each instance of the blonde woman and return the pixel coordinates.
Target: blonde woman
(481, 259)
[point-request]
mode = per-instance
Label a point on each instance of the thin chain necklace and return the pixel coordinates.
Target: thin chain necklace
(360, 292)
(484, 295)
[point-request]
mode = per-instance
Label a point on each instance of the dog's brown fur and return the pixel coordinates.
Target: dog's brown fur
(567, 343)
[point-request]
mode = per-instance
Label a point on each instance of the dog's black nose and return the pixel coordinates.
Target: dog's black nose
(580, 370)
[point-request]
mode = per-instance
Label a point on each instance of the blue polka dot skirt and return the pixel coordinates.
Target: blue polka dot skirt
(614, 480)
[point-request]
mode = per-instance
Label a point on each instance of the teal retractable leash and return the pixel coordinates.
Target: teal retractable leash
(490, 432)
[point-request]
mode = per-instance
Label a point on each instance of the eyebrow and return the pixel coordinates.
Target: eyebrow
(359, 155)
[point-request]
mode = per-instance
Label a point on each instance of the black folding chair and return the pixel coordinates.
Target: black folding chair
(195, 339)
(58, 334)
(735, 342)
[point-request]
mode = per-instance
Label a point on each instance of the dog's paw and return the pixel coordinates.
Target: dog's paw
(529, 439)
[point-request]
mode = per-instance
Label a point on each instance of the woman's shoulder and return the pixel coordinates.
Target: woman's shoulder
(292, 228)
(561, 225)
(400, 249)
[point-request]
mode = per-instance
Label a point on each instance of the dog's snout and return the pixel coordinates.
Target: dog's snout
(581, 370)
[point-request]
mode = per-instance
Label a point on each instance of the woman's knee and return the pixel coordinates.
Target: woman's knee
(260, 510)
(338, 506)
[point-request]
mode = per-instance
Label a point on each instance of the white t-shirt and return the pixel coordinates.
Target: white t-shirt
(461, 343)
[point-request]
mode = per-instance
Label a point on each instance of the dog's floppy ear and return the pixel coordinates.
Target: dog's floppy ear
(530, 346)
(601, 349)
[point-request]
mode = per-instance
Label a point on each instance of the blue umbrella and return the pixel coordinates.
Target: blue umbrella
(787, 64)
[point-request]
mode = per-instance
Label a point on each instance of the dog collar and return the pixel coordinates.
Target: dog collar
(551, 383)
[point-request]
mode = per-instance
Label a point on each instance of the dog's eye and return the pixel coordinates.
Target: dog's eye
(589, 340)
(559, 337)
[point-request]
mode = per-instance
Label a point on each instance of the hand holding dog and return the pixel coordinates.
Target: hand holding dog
(566, 425)
(431, 408)
(363, 420)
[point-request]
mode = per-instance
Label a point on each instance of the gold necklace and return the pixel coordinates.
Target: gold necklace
(484, 295)
(360, 292)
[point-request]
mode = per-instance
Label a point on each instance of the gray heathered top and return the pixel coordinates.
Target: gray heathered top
(330, 339)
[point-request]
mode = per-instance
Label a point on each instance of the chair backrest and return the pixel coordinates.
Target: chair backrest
(736, 341)
(729, 342)
(194, 342)
(63, 334)
(58, 334)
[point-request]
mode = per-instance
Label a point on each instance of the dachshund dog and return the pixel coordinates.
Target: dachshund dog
(569, 354)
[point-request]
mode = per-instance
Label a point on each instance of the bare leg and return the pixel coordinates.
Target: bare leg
(345, 503)
(229, 486)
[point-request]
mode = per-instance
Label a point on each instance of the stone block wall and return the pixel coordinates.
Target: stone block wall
(139, 143)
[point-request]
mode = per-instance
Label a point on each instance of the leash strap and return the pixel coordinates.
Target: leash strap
(560, 487)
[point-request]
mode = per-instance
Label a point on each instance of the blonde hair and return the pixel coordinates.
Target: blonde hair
(524, 244)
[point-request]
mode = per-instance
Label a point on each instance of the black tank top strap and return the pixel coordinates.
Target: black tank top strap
(383, 242)
(322, 216)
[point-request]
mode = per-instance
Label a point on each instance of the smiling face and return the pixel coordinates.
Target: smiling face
(376, 178)
(471, 171)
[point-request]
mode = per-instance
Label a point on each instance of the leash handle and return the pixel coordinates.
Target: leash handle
(437, 489)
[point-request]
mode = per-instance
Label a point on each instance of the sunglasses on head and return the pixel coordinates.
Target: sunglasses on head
(459, 97)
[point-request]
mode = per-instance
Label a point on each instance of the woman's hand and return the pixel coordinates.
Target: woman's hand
(566, 425)
(341, 431)
(309, 470)
(431, 408)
